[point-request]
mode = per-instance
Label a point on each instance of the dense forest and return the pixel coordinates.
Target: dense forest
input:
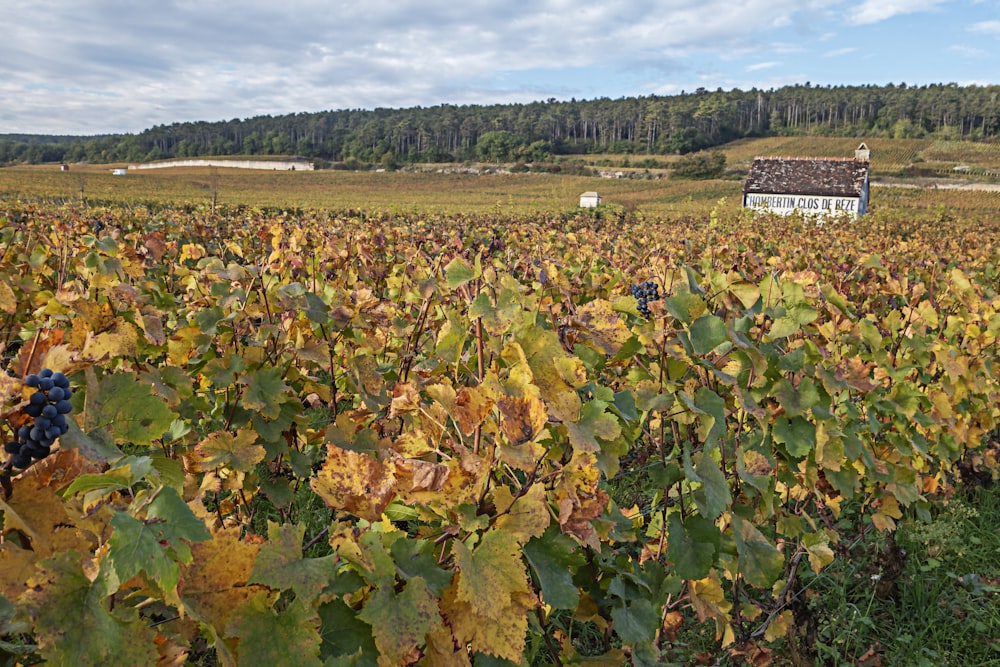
(673, 124)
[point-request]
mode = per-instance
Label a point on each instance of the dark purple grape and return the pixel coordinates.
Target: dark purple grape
(33, 410)
(32, 380)
(12, 447)
(36, 434)
(38, 398)
(22, 433)
(64, 407)
(45, 384)
(45, 373)
(60, 420)
(20, 461)
(50, 411)
(56, 394)
(60, 380)
(43, 422)
(53, 432)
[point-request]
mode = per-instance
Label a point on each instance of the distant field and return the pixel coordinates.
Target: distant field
(654, 193)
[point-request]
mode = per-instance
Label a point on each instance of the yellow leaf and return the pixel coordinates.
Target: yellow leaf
(780, 625)
(405, 398)
(522, 419)
(8, 302)
(526, 517)
(215, 582)
(355, 483)
(602, 326)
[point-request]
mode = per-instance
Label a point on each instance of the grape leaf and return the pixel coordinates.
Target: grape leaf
(760, 562)
(72, 623)
(280, 564)
(503, 639)
(141, 546)
(401, 621)
(265, 391)
(214, 583)
(8, 302)
(223, 449)
(526, 517)
(554, 558)
(714, 496)
(692, 545)
(707, 333)
(458, 272)
(345, 636)
(636, 622)
(355, 483)
(601, 325)
(128, 408)
(595, 422)
(490, 574)
(269, 637)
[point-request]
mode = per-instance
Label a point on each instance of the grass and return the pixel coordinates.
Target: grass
(946, 611)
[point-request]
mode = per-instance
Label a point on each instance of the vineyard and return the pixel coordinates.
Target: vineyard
(326, 437)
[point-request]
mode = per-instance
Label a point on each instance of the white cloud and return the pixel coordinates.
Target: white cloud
(840, 52)
(988, 27)
(91, 66)
(874, 11)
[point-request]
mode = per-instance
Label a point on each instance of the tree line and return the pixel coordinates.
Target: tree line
(655, 124)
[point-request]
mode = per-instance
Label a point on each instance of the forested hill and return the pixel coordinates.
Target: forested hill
(647, 125)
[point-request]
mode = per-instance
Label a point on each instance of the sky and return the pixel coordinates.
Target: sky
(85, 67)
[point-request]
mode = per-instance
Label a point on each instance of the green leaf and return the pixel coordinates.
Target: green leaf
(712, 420)
(636, 622)
(595, 422)
(458, 272)
(707, 333)
(796, 400)
(128, 409)
(265, 391)
(415, 558)
(713, 498)
(280, 564)
(345, 636)
(401, 621)
(760, 562)
(797, 434)
(72, 623)
(183, 524)
(692, 545)
(554, 558)
(269, 637)
(684, 306)
(137, 546)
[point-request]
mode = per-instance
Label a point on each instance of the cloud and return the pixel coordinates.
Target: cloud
(968, 51)
(987, 27)
(840, 52)
(92, 66)
(874, 11)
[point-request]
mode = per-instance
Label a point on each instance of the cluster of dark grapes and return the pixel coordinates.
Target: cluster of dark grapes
(48, 405)
(644, 293)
